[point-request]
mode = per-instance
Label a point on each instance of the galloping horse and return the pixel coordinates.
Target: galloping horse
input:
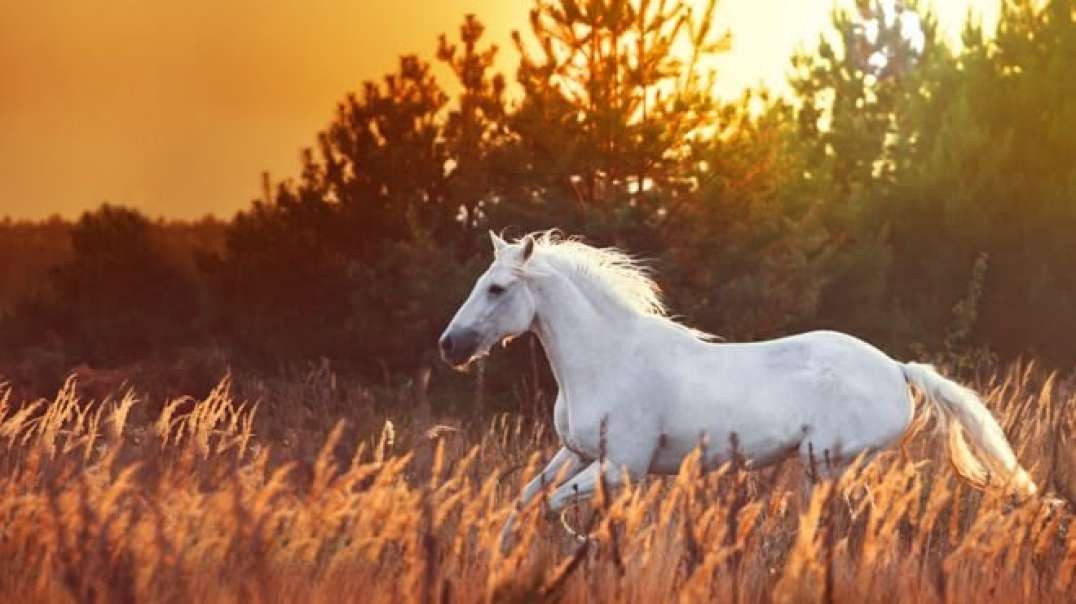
(642, 389)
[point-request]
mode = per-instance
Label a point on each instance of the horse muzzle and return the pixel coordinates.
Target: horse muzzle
(458, 346)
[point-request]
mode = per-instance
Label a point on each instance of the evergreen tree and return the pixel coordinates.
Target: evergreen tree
(985, 166)
(851, 94)
(613, 101)
(355, 259)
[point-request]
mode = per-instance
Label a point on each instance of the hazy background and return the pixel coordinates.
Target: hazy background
(912, 182)
(176, 109)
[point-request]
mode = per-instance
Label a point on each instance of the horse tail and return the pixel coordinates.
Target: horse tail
(961, 411)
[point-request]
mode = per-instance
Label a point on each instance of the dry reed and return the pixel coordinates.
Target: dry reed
(197, 505)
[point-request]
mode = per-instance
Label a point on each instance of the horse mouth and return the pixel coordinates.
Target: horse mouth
(462, 362)
(458, 363)
(463, 365)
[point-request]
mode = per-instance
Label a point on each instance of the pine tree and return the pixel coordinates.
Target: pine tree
(985, 166)
(613, 98)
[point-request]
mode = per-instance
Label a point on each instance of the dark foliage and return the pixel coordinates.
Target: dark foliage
(118, 296)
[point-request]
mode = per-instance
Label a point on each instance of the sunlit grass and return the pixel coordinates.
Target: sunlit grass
(196, 505)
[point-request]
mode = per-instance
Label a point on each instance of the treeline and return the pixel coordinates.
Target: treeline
(917, 194)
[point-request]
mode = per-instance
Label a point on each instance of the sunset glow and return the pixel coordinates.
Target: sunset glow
(177, 110)
(616, 301)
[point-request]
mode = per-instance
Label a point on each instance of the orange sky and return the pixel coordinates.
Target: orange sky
(177, 108)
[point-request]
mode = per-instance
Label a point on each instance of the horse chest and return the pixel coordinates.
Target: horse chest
(579, 429)
(599, 427)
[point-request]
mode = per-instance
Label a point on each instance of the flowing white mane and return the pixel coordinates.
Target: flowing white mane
(624, 278)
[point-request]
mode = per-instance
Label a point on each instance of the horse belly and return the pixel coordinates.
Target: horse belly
(751, 442)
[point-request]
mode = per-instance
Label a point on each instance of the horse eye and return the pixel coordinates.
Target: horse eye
(496, 290)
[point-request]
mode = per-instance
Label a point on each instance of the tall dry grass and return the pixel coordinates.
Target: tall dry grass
(201, 503)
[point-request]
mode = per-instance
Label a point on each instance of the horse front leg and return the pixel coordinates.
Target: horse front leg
(564, 466)
(583, 486)
(629, 456)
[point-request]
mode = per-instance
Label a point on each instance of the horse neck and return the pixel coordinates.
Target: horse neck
(580, 331)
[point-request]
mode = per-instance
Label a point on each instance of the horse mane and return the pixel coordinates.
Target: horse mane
(623, 277)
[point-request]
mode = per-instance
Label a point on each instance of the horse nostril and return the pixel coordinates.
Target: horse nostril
(446, 343)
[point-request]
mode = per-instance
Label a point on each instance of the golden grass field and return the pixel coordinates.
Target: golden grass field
(217, 500)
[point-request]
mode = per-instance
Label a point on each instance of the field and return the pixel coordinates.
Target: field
(303, 491)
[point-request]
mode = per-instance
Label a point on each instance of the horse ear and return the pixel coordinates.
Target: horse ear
(528, 248)
(498, 243)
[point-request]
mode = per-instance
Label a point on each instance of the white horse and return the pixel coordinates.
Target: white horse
(644, 390)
